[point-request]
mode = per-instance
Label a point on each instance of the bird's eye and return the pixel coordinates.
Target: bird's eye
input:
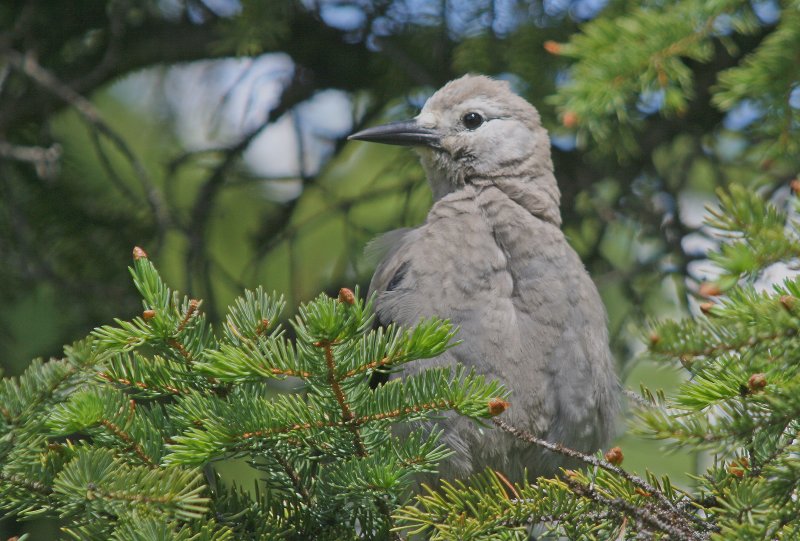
(472, 120)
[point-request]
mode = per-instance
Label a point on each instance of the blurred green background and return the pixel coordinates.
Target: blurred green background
(212, 133)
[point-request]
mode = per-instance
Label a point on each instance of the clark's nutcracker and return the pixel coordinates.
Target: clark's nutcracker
(491, 257)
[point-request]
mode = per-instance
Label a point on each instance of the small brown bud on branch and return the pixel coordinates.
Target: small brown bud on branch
(262, 326)
(497, 406)
(571, 474)
(795, 185)
(346, 296)
(788, 301)
(706, 307)
(739, 467)
(570, 119)
(148, 314)
(552, 47)
(139, 253)
(757, 382)
(709, 289)
(614, 456)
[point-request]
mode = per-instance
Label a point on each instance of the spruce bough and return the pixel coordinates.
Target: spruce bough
(119, 438)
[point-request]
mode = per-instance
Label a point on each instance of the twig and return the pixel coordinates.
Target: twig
(28, 65)
(297, 91)
(293, 476)
(133, 445)
(45, 159)
(641, 514)
(347, 414)
(634, 397)
(593, 461)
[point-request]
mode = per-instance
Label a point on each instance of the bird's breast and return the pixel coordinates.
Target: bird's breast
(486, 264)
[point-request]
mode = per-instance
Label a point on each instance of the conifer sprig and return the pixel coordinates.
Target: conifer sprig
(115, 434)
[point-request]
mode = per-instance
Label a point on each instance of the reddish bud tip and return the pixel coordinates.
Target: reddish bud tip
(193, 304)
(738, 467)
(570, 119)
(709, 289)
(139, 253)
(654, 339)
(757, 382)
(572, 474)
(795, 185)
(497, 406)
(346, 296)
(788, 301)
(614, 456)
(642, 492)
(662, 78)
(552, 47)
(706, 307)
(262, 326)
(149, 314)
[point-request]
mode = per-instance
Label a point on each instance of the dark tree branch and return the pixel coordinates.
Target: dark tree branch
(29, 66)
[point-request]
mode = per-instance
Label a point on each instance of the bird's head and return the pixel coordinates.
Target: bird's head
(475, 130)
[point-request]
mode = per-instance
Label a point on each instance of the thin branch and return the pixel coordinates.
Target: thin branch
(111, 173)
(635, 480)
(28, 65)
(126, 438)
(297, 91)
(638, 400)
(141, 385)
(294, 477)
(27, 484)
(681, 532)
(347, 414)
(369, 366)
(45, 159)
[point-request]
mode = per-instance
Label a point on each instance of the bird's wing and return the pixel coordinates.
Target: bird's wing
(388, 249)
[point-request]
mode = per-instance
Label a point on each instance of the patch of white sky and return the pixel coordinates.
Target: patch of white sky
(213, 104)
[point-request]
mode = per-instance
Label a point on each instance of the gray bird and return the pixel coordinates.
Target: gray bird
(491, 257)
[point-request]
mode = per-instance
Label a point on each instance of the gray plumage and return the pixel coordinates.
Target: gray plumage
(491, 257)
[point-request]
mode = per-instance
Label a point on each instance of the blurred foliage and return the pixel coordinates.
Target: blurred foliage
(651, 106)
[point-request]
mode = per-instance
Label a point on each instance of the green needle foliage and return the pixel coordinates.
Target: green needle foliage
(649, 49)
(120, 438)
(740, 405)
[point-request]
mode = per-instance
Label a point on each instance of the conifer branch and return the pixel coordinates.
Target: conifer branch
(635, 480)
(140, 384)
(677, 531)
(27, 484)
(126, 438)
(347, 414)
(382, 363)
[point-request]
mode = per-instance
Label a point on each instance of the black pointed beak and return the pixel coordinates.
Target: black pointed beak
(406, 132)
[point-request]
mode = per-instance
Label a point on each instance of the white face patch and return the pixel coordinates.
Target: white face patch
(426, 119)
